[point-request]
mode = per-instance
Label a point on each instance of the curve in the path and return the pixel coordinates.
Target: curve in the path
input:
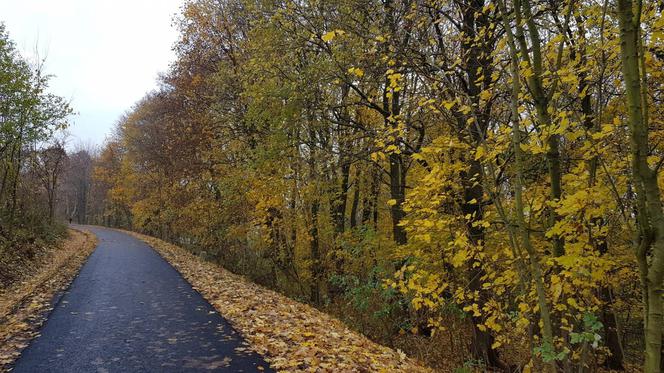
(130, 311)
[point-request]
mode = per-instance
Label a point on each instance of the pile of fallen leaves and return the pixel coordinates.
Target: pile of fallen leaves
(25, 304)
(292, 336)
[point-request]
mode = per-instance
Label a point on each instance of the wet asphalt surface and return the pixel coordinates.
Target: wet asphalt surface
(130, 311)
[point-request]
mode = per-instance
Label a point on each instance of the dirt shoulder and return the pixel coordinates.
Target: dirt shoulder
(25, 304)
(293, 337)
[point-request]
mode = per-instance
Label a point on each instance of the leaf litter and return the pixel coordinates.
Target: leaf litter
(292, 336)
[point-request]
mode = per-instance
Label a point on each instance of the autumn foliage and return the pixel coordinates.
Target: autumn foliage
(472, 172)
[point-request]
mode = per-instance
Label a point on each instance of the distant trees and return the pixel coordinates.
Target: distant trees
(489, 167)
(77, 200)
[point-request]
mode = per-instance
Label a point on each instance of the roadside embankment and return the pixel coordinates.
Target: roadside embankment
(25, 304)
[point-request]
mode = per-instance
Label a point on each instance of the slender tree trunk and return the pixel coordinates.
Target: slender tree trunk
(397, 169)
(341, 198)
(51, 205)
(482, 339)
(650, 250)
(535, 266)
(541, 101)
(370, 200)
(315, 254)
(611, 333)
(344, 164)
(397, 173)
(15, 180)
(356, 200)
(477, 57)
(338, 204)
(591, 123)
(314, 244)
(397, 192)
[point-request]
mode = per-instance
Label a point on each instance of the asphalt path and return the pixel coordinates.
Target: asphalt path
(128, 310)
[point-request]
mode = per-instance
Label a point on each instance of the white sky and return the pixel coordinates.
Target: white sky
(105, 54)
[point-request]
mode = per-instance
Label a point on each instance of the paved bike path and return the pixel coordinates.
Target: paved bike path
(130, 311)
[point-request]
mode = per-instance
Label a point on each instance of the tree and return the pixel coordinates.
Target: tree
(650, 219)
(48, 164)
(29, 116)
(77, 185)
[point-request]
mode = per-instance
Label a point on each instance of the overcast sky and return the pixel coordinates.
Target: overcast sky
(105, 54)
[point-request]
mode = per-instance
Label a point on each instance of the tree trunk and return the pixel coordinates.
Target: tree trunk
(650, 220)
(535, 266)
(356, 200)
(541, 101)
(370, 200)
(397, 193)
(611, 334)
(341, 199)
(479, 67)
(315, 254)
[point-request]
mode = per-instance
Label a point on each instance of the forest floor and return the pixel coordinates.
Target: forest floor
(26, 300)
(293, 337)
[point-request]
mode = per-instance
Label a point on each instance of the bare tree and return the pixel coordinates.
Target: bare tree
(48, 164)
(77, 184)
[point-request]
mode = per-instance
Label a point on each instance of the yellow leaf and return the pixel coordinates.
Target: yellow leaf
(328, 36)
(479, 152)
(356, 71)
(572, 302)
(465, 109)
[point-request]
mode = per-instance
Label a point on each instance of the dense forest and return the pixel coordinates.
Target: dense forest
(466, 180)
